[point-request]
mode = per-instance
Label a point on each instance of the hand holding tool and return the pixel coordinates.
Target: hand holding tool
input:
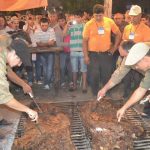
(32, 97)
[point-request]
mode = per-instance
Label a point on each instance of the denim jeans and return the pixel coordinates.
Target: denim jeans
(65, 67)
(38, 68)
(30, 73)
(77, 59)
(47, 60)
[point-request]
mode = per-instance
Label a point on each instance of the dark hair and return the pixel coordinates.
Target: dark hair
(78, 13)
(53, 11)
(61, 16)
(44, 20)
(2, 16)
(126, 45)
(148, 17)
(97, 9)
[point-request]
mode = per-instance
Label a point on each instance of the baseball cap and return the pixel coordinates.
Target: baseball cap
(22, 51)
(136, 53)
(135, 10)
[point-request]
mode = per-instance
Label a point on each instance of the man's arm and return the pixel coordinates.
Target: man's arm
(85, 51)
(116, 78)
(17, 80)
(117, 41)
(135, 97)
(14, 104)
(66, 28)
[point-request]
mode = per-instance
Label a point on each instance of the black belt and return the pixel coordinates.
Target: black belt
(92, 52)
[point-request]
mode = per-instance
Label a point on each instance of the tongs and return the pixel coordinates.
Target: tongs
(33, 99)
(38, 127)
(36, 122)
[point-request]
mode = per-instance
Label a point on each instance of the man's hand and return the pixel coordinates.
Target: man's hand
(86, 60)
(33, 115)
(112, 50)
(26, 88)
(120, 113)
(51, 43)
(101, 93)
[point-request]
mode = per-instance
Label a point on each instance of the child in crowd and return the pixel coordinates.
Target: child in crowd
(74, 28)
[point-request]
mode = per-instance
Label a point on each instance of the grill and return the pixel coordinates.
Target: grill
(78, 132)
(79, 135)
(20, 129)
(135, 118)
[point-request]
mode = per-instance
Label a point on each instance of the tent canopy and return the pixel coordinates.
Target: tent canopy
(17, 5)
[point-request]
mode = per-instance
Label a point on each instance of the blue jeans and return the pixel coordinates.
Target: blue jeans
(47, 60)
(65, 66)
(38, 68)
(30, 73)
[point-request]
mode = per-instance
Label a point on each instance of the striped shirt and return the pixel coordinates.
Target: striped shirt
(76, 39)
(40, 36)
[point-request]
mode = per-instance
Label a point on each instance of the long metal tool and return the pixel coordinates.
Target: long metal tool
(38, 127)
(32, 97)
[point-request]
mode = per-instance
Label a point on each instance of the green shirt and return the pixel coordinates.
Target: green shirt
(121, 71)
(5, 95)
(76, 38)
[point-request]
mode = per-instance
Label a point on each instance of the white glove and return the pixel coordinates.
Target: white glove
(33, 115)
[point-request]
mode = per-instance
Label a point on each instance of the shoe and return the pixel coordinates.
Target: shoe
(72, 88)
(39, 82)
(46, 87)
(4, 122)
(84, 90)
(63, 85)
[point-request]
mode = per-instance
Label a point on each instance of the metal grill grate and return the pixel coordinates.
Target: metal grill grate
(78, 134)
(143, 143)
(20, 130)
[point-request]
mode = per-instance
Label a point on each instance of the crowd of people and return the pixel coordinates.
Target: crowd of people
(101, 50)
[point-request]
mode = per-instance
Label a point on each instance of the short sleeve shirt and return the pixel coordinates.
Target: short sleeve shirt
(99, 42)
(141, 32)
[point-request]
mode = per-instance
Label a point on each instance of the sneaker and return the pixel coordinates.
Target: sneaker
(39, 82)
(46, 87)
(63, 85)
(4, 122)
(72, 88)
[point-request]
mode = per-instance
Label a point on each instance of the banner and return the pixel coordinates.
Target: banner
(17, 5)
